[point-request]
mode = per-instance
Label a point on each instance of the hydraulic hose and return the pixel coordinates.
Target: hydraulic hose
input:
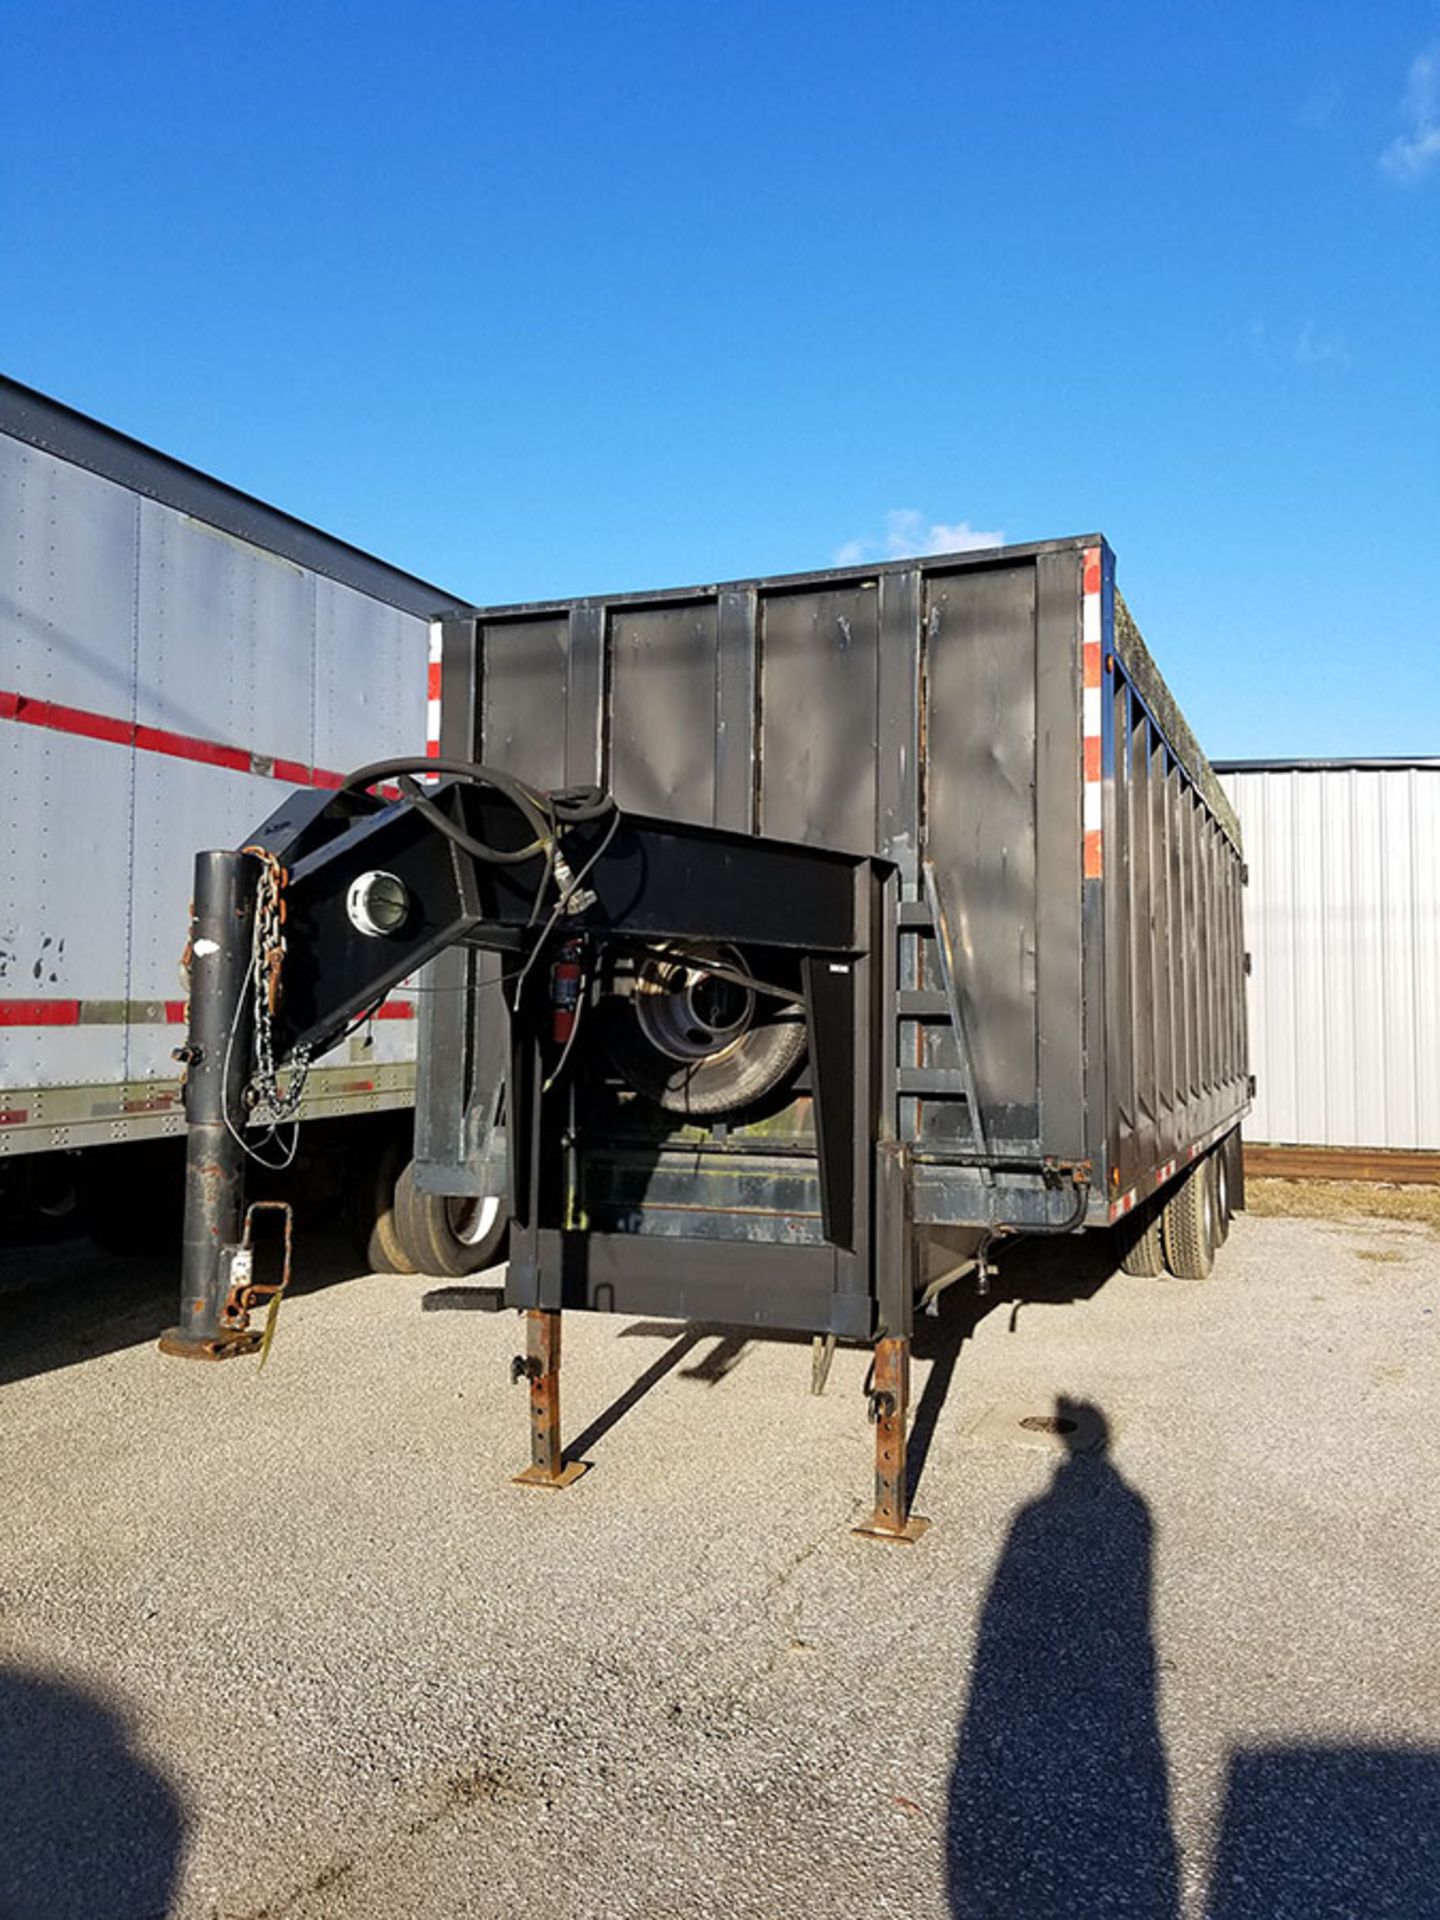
(547, 814)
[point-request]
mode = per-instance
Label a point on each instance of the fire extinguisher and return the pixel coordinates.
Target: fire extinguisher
(565, 991)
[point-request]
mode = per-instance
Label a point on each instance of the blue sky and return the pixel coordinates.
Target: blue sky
(541, 299)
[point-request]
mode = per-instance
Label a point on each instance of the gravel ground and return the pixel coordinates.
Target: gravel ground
(288, 1645)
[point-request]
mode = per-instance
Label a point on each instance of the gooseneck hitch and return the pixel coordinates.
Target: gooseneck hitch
(340, 896)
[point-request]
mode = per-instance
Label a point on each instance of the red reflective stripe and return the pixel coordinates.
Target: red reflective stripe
(46, 713)
(87, 725)
(14, 1116)
(432, 684)
(175, 1012)
(432, 752)
(1092, 570)
(186, 746)
(1090, 654)
(39, 1013)
(396, 1010)
(1094, 859)
(1092, 756)
(91, 726)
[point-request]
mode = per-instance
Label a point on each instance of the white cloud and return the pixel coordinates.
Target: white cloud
(1410, 155)
(908, 533)
(1318, 346)
(1313, 346)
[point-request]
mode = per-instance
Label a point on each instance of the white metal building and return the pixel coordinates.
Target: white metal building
(1342, 920)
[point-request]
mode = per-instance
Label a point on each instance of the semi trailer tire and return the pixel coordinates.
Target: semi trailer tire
(1137, 1240)
(371, 1207)
(1187, 1226)
(1220, 1179)
(450, 1235)
(1234, 1150)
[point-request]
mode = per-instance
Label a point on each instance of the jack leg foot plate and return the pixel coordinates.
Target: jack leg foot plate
(912, 1530)
(537, 1477)
(218, 1346)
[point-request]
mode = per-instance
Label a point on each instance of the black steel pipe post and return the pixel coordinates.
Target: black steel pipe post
(217, 1068)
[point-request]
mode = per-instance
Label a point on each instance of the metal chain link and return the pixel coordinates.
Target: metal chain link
(269, 1102)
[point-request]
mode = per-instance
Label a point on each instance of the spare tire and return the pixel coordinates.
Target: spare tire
(699, 1044)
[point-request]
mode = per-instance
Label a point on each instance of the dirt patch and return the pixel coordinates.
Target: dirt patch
(479, 1786)
(1343, 1200)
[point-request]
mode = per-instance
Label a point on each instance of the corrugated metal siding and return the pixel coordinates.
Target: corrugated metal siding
(1342, 918)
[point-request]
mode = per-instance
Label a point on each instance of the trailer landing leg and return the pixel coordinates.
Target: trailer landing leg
(215, 1267)
(539, 1365)
(890, 1411)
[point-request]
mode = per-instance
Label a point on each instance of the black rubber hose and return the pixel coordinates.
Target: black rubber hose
(546, 813)
(530, 803)
(1082, 1201)
(578, 804)
(574, 805)
(452, 830)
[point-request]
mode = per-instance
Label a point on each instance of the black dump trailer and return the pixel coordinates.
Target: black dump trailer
(791, 942)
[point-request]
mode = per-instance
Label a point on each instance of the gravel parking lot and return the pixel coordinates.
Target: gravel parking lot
(287, 1645)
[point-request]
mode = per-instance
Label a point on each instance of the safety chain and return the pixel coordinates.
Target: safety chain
(269, 1102)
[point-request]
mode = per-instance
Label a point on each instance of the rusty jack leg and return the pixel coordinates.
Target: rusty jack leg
(541, 1370)
(890, 1410)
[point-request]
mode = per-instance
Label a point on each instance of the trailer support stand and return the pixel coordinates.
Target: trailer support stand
(890, 1411)
(215, 1258)
(540, 1366)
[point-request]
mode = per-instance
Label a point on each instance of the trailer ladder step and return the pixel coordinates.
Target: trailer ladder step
(942, 1082)
(923, 1003)
(927, 917)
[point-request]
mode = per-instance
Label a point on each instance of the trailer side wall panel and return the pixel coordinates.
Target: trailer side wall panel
(993, 724)
(173, 656)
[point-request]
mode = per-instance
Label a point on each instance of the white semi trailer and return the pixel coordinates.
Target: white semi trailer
(174, 655)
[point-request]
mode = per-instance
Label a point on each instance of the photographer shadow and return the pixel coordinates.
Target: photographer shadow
(1059, 1803)
(87, 1826)
(1059, 1797)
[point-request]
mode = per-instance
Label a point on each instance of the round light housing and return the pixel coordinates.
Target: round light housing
(378, 904)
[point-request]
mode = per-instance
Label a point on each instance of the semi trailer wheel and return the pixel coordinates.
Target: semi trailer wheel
(1187, 1226)
(1220, 1180)
(1137, 1239)
(451, 1235)
(371, 1206)
(1234, 1151)
(701, 1045)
